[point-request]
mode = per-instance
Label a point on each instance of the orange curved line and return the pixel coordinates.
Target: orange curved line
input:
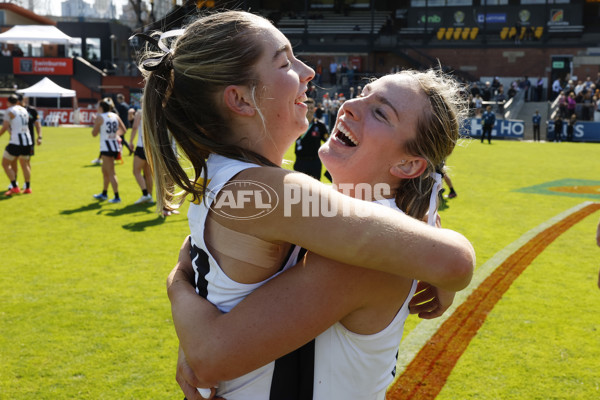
(427, 373)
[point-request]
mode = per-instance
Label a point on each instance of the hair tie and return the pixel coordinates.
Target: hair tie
(431, 216)
(152, 64)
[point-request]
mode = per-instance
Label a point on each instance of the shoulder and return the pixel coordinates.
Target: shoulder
(254, 190)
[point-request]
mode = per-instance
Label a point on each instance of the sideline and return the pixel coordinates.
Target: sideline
(422, 370)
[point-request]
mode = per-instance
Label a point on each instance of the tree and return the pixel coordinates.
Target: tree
(143, 11)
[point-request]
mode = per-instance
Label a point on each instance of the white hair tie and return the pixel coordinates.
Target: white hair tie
(168, 34)
(152, 64)
(431, 216)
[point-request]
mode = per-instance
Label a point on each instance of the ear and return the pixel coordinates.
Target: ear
(237, 100)
(409, 168)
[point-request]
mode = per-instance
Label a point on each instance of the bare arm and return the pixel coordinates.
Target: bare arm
(122, 128)
(38, 129)
(98, 121)
(360, 233)
(135, 127)
(6, 124)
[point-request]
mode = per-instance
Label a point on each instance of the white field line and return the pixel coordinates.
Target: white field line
(420, 335)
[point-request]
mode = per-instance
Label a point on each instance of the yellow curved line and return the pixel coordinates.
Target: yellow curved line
(425, 374)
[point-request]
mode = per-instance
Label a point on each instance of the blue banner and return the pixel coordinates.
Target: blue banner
(503, 128)
(492, 18)
(582, 131)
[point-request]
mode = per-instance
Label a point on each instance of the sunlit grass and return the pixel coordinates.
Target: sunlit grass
(84, 313)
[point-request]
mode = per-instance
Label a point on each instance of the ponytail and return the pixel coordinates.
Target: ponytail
(438, 131)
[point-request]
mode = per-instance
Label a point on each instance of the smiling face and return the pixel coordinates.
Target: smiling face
(368, 141)
(281, 92)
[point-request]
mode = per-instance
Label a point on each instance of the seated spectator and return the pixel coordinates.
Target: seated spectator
(587, 110)
(529, 33)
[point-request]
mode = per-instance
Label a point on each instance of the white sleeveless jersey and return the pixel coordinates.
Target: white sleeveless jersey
(108, 132)
(352, 366)
(213, 284)
(19, 126)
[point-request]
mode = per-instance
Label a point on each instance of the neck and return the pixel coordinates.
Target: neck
(266, 147)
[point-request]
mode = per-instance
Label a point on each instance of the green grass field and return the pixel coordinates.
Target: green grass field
(84, 313)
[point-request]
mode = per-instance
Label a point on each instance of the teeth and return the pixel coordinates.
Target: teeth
(348, 134)
(301, 99)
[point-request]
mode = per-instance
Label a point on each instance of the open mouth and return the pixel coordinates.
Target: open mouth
(345, 136)
(302, 99)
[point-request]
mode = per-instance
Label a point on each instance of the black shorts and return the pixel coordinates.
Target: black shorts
(113, 154)
(15, 150)
(140, 152)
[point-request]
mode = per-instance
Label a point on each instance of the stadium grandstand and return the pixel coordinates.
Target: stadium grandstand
(517, 44)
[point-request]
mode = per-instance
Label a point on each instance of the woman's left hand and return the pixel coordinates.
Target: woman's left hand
(429, 301)
(189, 383)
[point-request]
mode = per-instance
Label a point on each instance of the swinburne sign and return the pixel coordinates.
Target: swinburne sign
(42, 66)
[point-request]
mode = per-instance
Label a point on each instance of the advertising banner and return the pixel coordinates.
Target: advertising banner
(584, 131)
(67, 116)
(42, 66)
(503, 128)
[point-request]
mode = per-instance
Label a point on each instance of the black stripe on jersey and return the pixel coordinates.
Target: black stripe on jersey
(24, 140)
(110, 147)
(200, 262)
(394, 370)
(294, 374)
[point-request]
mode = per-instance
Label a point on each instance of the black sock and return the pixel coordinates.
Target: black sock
(145, 192)
(105, 193)
(116, 195)
(27, 185)
(14, 183)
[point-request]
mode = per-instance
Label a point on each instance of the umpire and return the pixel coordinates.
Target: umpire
(307, 146)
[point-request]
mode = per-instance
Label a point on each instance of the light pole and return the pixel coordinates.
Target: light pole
(112, 51)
